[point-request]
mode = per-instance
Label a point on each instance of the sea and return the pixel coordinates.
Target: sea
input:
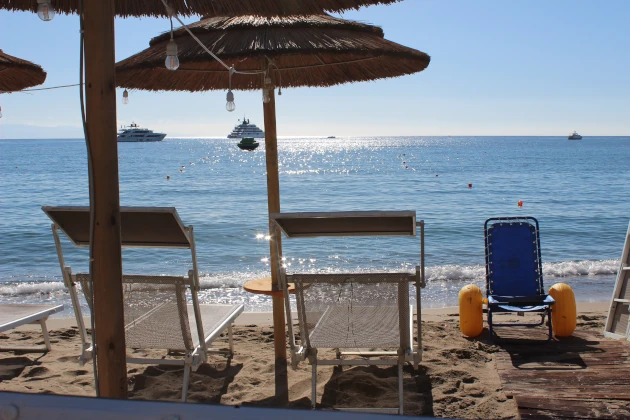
(577, 190)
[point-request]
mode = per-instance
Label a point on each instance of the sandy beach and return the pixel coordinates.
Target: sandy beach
(457, 378)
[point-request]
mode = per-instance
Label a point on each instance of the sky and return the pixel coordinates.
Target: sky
(497, 67)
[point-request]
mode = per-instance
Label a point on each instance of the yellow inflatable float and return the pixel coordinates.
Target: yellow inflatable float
(563, 312)
(470, 311)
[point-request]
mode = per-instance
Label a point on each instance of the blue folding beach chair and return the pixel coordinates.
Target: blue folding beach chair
(514, 278)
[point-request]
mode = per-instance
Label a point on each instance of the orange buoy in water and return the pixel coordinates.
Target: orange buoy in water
(469, 185)
(520, 203)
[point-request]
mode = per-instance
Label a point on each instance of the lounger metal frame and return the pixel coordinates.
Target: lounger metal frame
(40, 317)
(412, 354)
(192, 360)
(526, 303)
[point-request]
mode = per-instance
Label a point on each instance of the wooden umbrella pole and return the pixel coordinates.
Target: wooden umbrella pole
(107, 265)
(273, 200)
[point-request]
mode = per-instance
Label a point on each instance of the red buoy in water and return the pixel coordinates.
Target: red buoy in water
(469, 185)
(520, 203)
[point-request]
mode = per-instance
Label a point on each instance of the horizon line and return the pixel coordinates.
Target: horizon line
(337, 137)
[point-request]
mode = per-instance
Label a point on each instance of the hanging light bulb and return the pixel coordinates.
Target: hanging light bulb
(172, 62)
(125, 97)
(230, 106)
(44, 10)
(265, 95)
(0, 112)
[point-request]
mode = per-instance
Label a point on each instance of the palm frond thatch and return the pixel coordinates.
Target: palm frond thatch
(155, 8)
(314, 51)
(17, 74)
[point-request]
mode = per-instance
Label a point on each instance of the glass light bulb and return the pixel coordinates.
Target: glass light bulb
(125, 99)
(45, 11)
(265, 94)
(230, 105)
(0, 112)
(172, 62)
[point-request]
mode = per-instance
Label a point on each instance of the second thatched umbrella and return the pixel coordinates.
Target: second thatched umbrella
(17, 74)
(313, 50)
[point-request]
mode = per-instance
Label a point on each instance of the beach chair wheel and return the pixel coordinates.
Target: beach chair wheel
(563, 312)
(470, 311)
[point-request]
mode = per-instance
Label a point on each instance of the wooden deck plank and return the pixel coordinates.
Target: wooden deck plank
(535, 408)
(585, 376)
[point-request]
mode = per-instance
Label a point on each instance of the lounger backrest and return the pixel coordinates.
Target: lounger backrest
(156, 311)
(513, 258)
(357, 311)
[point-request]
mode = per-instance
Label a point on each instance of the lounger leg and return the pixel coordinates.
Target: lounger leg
(231, 340)
(314, 386)
(490, 325)
(400, 389)
(550, 325)
(42, 322)
(186, 381)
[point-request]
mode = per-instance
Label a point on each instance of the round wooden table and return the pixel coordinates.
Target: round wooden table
(262, 286)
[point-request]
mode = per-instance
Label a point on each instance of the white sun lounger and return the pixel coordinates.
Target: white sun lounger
(13, 315)
(161, 312)
(357, 314)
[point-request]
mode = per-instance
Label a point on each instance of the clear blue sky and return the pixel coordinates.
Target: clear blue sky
(498, 67)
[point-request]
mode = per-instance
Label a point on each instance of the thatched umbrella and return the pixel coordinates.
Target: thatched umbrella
(17, 74)
(97, 24)
(155, 8)
(313, 50)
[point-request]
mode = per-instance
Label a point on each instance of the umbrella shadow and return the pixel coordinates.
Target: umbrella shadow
(206, 377)
(377, 387)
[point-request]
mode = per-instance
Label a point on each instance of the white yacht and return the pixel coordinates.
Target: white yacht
(575, 136)
(246, 129)
(133, 133)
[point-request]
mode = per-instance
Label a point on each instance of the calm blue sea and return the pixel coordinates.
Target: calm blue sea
(577, 190)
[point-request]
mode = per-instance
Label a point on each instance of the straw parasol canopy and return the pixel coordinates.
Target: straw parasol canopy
(17, 74)
(155, 8)
(315, 51)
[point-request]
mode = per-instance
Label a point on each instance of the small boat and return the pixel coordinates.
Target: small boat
(246, 129)
(133, 133)
(248, 143)
(575, 136)
(331, 137)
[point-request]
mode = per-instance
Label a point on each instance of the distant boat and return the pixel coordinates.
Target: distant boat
(246, 129)
(248, 143)
(575, 136)
(331, 137)
(133, 133)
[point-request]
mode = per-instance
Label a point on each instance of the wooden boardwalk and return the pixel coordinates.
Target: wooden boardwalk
(583, 376)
